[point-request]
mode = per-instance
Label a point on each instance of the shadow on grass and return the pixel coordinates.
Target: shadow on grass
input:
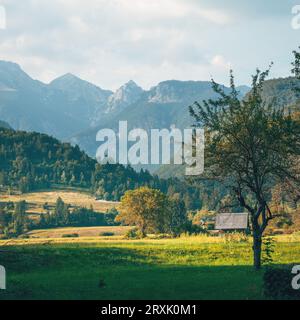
(99, 273)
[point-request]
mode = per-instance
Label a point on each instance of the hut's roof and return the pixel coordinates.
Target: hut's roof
(231, 221)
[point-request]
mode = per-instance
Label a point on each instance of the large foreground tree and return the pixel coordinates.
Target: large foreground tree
(250, 147)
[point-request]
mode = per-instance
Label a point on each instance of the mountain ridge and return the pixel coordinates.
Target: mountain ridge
(69, 106)
(160, 107)
(73, 110)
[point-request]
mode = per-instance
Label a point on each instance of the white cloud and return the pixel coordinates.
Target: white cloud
(111, 41)
(220, 62)
(108, 41)
(77, 24)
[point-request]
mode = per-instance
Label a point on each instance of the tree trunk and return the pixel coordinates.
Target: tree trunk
(143, 231)
(257, 243)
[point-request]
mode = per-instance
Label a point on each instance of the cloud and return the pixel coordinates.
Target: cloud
(220, 62)
(111, 41)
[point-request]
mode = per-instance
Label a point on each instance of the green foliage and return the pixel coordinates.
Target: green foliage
(192, 229)
(177, 219)
(110, 217)
(268, 250)
(70, 235)
(63, 216)
(145, 208)
(296, 64)
(250, 147)
(15, 222)
(284, 221)
(236, 237)
(152, 212)
(134, 233)
(296, 71)
(106, 234)
(32, 161)
(277, 284)
(4, 125)
(206, 271)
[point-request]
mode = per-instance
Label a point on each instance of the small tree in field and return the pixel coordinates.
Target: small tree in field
(250, 146)
(145, 208)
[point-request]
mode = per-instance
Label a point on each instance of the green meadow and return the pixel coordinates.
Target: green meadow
(185, 268)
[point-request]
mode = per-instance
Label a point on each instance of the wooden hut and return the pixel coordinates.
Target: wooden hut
(232, 222)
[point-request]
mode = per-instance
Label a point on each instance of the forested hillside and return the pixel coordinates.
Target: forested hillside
(33, 161)
(4, 124)
(281, 92)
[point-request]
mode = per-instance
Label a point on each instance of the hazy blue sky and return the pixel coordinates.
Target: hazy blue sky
(109, 42)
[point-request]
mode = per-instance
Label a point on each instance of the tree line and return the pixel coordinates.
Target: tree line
(34, 161)
(150, 210)
(15, 221)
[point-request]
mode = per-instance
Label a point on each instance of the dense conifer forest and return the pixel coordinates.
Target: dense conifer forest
(33, 161)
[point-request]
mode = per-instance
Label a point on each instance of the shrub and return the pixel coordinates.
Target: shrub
(24, 236)
(134, 234)
(236, 237)
(106, 234)
(284, 221)
(277, 284)
(163, 236)
(277, 232)
(268, 249)
(70, 235)
(192, 229)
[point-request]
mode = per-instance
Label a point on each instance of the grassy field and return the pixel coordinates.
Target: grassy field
(94, 266)
(185, 268)
(88, 232)
(36, 200)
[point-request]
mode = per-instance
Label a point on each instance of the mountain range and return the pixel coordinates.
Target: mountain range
(61, 108)
(73, 110)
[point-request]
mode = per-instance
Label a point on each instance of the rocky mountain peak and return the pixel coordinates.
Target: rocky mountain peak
(127, 94)
(12, 77)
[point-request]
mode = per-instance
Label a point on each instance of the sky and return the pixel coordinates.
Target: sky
(109, 42)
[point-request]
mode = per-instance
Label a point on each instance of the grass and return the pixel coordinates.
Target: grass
(36, 200)
(89, 232)
(96, 234)
(185, 268)
(94, 266)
